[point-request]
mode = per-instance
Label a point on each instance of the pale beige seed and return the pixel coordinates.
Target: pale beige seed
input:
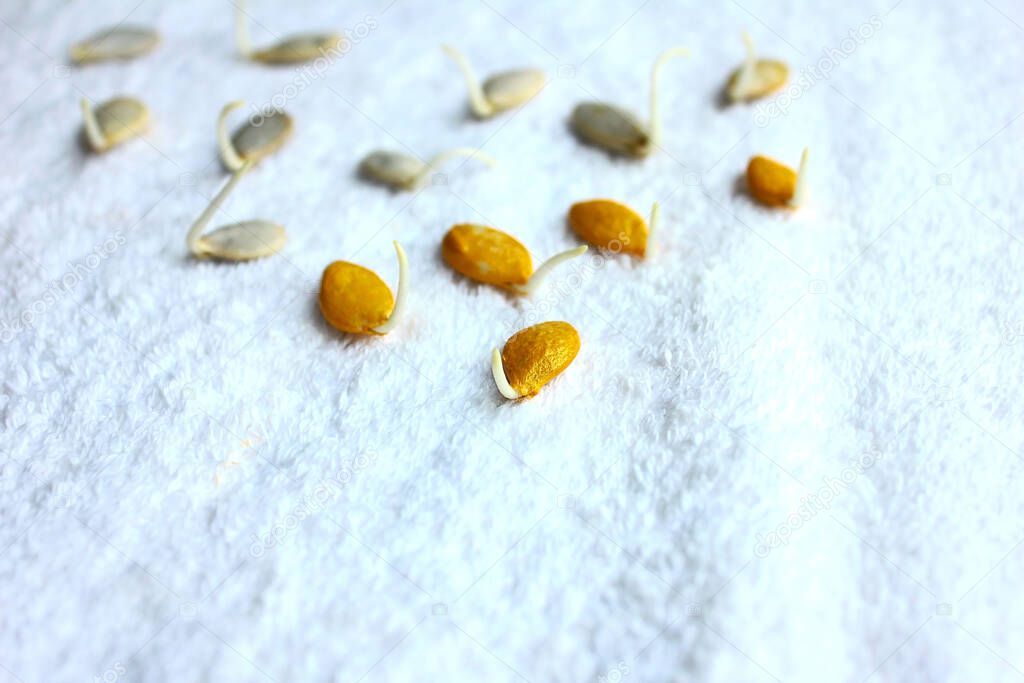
(404, 172)
(113, 122)
(616, 129)
(755, 77)
(501, 91)
(120, 42)
(611, 128)
(259, 137)
(292, 50)
(244, 241)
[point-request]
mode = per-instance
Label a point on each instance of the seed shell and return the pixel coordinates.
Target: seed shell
(121, 42)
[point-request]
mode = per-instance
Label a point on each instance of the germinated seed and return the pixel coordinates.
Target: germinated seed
(496, 258)
(617, 130)
(120, 42)
(613, 226)
(242, 241)
(258, 137)
(533, 357)
(775, 184)
(292, 50)
(499, 92)
(355, 300)
(405, 172)
(756, 77)
(612, 128)
(113, 122)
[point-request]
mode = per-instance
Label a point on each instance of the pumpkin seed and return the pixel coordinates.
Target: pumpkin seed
(355, 300)
(775, 184)
(610, 225)
(252, 141)
(612, 128)
(242, 241)
(756, 77)
(113, 122)
(496, 258)
(616, 129)
(292, 50)
(533, 357)
(405, 172)
(499, 92)
(119, 42)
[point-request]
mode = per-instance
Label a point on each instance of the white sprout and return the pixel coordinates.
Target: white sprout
(653, 222)
(438, 159)
(654, 127)
(242, 39)
(479, 102)
(228, 153)
(97, 140)
(400, 296)
(539, 275)
(800, 191)
(194, 239)
(498, 371)
(746, 72)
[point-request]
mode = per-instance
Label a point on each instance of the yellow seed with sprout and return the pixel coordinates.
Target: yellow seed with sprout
(775, 184)
(533, 357)
(610, 225)
(755, 77)
(292, 50)
(113, 122)
(496, 258)
(354, 299)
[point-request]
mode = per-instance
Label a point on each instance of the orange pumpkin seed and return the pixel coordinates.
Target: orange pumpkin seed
(533, 357)
(354, 299)
(775, 184)
(496, 258)
(610, 225)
